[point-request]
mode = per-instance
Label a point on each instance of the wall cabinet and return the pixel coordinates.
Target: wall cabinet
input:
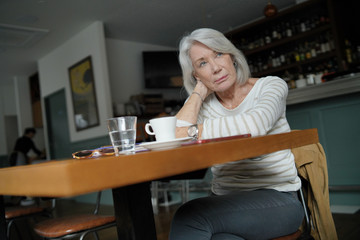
(303, 39)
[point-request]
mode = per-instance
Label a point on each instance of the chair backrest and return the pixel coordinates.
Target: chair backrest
(305, 233)
(311, 164)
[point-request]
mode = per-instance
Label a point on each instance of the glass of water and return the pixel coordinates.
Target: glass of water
(122, 131)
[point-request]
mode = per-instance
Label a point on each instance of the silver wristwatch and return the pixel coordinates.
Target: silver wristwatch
(193, 131)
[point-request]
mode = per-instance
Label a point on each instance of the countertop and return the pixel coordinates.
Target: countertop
(341, 86)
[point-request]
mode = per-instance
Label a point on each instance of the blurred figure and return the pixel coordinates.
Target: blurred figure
(22, 147)
(19, 156)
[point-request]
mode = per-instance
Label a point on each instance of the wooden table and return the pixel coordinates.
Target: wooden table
(129, 175)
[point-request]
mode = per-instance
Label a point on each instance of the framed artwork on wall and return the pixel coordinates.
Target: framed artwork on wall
(83, 94)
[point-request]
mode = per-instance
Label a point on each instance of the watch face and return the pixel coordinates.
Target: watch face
(193, 131)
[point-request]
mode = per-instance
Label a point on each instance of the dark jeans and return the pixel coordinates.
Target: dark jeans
(260, 214)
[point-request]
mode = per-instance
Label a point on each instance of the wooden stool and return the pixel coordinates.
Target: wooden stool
(76, 225)
(13, 214)
(73, 225)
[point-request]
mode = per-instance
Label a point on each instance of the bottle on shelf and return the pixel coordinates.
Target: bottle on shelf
(313, 50)
(302, 52)
(289, 30)
(318, 47)
(274, 34)
(307, 50)
(357, 53)
(348, 51)
(297, 54)
(267, 37)
(302, 25)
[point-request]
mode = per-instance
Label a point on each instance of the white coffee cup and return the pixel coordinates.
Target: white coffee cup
(163, 128)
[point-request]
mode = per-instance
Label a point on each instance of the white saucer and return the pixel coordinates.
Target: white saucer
(163, 145)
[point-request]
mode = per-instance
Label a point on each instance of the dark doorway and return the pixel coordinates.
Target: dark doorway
(57, 125)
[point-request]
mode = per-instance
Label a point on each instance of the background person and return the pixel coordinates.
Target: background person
(23, 145)
(19, 156)
(254, 198)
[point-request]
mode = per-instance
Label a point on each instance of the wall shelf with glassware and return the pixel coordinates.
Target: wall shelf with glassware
(286, 40)
(320, 62)
(304, 39)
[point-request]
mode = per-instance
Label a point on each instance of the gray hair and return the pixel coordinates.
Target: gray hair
(219, 43)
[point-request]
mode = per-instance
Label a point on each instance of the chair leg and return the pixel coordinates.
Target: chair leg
(96, 235)
(17, 231)
(10, 224)
(83, 235)
(305, 211)
(166, 199)
(186, 191)
(155, 196)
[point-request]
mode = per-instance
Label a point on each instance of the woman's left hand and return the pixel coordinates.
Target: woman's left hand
(202, 89)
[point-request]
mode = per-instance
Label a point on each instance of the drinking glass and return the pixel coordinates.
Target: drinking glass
(122, 131)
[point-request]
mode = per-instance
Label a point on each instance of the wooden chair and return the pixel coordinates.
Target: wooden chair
(16, 213)
(306, 231)
(165, 187)
(293, 236)
(76, 225)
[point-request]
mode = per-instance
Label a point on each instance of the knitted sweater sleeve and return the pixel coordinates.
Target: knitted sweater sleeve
(264, 114)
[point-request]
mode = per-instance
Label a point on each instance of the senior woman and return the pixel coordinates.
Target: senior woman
(253, 198)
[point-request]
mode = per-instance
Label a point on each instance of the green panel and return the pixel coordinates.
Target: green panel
(60, 145)
(340, 198)
(342, 140)
(4, 161)
(59, 137)
(338, 122)
(57, 125)
(90, 143)
(299, 119)
(106, 198)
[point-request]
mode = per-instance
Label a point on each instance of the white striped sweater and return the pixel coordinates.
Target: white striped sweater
(262, 112)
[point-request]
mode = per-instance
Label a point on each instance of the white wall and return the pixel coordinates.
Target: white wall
(118, 72)
(23, 103)
(11, 132)
(54, 76)
(8, 99)
(126, 68)
(7, 108)
(3, 143)
(15, 102)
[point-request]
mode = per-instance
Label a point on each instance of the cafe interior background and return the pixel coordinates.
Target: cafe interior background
(41, 40)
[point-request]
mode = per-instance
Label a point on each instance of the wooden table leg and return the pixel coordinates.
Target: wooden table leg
(2, 218)
(134, 213)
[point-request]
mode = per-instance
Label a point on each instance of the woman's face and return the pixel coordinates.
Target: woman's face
(216, 70)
